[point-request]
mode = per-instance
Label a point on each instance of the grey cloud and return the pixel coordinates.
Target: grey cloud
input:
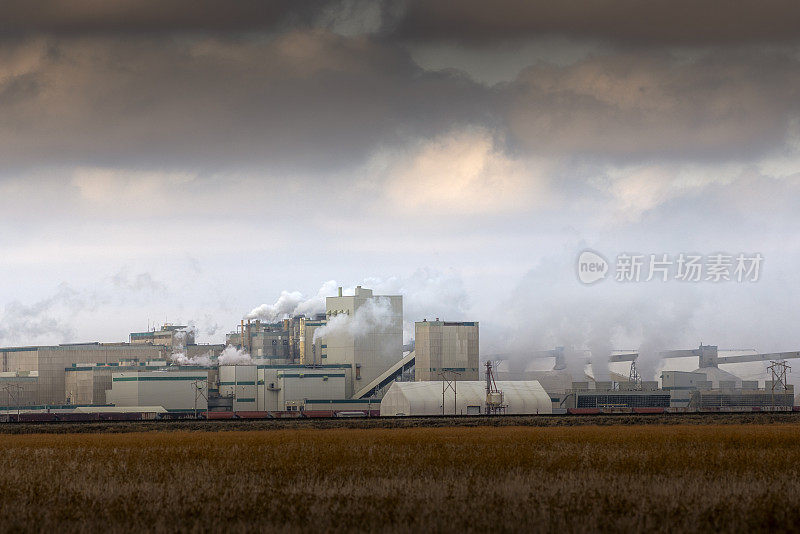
(139, 282)
(656, 106)
(26, 323)
(305, 100)
(151, 16)
(656, 22)
(314, 101)
(661, 22)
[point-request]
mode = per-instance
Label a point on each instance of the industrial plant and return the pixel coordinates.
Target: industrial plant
(351, 361)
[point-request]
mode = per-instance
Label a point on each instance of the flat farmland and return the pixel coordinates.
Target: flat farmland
(611, 478)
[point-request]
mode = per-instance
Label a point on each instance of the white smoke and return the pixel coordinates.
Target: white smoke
(375, 315)
(180, 338)
(233, 356)
(179, 356)
(427, 293)
(47, 320)
(550, 307)
(292, 303)
(202, 360)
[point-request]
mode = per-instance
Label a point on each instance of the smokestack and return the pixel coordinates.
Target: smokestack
(340, 291)
(249, 339)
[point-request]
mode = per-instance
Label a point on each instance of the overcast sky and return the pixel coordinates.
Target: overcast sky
(190, 160)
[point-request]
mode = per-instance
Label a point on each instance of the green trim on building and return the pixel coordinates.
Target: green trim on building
(312, 375)
(157, 378)
(343, 401)
(19, 378)
(300, 366)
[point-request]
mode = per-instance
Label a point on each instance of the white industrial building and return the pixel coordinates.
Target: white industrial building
(174, 390)
(469, 398)
(446, 347)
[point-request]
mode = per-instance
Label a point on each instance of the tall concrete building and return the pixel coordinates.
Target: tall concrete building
(446, 346)
(364, 331)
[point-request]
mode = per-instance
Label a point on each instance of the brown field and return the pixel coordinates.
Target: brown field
(733, 478)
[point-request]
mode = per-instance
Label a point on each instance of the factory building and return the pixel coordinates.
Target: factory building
(262, 340)
(626, 395)
(89, 384)
(51, 361)
(718, 400)
(18, 388)
(283, 387)
(443, 346)
(282, 342)
(469, 398)
(174, 390)
(365, 332)
(240, 383)
(311, 352)
(169, 335)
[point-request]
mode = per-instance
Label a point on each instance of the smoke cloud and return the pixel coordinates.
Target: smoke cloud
(375, 315)
(233, 356)
(551, 308)
(293, 303)
(139, 282)
(202, 360)
(27, 323)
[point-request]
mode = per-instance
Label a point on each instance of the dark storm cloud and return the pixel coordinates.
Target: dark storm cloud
(280, 85)
(317, 101)
(152, 16)
(681, 22)
(313, 99)
(637, 106)
(662, 22)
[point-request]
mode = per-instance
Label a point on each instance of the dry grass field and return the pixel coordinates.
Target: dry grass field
(730, 478)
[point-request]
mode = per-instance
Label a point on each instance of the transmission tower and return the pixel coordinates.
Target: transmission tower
(199, 386)
(634, 377)
(12, 396)
(449, 381)
(778, 370)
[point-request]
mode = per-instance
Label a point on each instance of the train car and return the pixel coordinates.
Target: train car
(220, 415)
(318, 414)
(649, 409)
(252, 415)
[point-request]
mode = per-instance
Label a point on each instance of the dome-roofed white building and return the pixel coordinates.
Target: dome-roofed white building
(425, 398)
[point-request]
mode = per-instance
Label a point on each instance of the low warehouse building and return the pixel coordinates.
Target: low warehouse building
(174, 390)
(469, 398)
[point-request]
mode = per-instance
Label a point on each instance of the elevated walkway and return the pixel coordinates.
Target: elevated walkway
(388, 376)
